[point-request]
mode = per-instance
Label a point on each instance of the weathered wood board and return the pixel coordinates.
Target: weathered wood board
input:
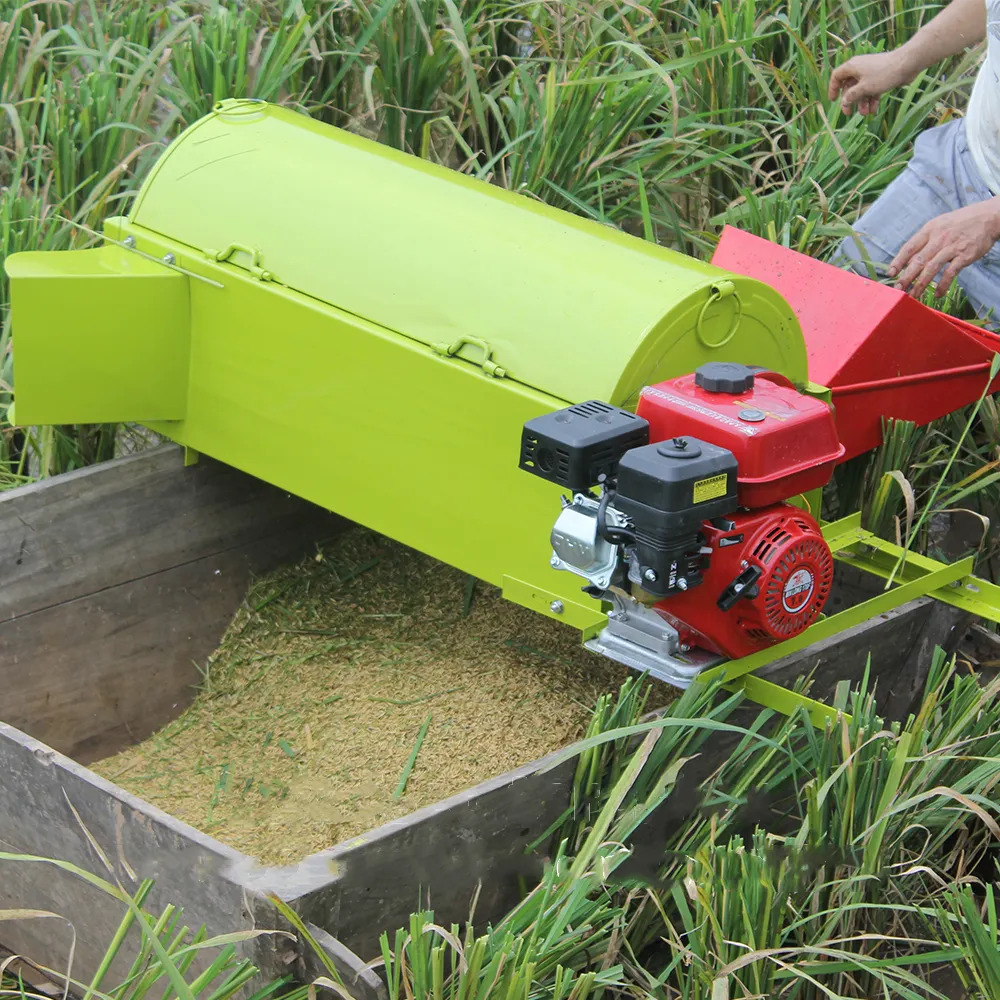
(52, 807)
(118, 578)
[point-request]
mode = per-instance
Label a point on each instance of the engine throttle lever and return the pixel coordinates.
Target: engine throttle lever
(743, 586)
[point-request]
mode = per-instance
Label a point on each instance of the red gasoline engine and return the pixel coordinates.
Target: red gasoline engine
(767, 571)
(679, 517)
(679, 513)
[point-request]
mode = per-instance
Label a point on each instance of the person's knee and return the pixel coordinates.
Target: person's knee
(860, 255)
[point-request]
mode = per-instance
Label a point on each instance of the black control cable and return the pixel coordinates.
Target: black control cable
(616, 536)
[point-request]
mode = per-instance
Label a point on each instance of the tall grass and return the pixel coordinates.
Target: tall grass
(163, 964)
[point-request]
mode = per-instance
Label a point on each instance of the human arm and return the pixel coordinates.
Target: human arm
(863, 79)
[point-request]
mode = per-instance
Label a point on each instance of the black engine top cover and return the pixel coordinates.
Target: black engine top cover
(669, 488)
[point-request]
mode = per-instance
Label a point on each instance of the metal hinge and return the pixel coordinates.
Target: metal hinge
(254, 267)
(488, 365)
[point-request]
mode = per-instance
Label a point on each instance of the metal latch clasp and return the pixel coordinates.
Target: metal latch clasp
(487, 363)
(254, 267)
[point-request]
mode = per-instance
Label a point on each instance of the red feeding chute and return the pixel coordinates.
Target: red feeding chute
(878, 350)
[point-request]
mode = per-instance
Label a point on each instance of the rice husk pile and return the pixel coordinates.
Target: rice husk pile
(312, 704)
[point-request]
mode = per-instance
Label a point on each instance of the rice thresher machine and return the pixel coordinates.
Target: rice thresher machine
(618, 436)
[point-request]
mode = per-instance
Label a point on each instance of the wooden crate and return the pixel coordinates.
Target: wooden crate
(117, 580)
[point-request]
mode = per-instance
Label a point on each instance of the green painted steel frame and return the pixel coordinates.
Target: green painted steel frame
(917, 576)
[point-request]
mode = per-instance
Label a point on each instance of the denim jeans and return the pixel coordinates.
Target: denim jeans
(939, 178)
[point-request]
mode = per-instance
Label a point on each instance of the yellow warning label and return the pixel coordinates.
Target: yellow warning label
(710, 489)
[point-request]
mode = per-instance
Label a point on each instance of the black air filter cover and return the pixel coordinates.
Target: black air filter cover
(579, 447)
(671, 487)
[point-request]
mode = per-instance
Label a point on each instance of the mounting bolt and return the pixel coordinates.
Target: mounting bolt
(169, 258)
(129, 242)
(682, 584)
(554, 561)
(685, 648)
(556, 607)
(650, 575)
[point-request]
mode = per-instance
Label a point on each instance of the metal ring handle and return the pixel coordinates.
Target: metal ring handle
(720, 290)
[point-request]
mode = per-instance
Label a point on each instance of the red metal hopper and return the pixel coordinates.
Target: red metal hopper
(878, 350)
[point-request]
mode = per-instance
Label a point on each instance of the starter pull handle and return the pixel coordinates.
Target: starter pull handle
(487, 363)
(745, 585)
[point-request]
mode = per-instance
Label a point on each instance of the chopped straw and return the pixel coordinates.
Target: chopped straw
(307, 714)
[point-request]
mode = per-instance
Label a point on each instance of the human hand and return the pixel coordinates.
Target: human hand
(863, 79)
(950, 242)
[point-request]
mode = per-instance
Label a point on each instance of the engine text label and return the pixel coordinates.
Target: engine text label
(710, 489)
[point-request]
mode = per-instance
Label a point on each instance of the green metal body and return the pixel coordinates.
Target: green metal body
(370, 331)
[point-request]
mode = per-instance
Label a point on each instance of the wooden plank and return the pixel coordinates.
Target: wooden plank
(54, 808)
(441, 856)
(120, 521)
(119, 579)
(93, 675)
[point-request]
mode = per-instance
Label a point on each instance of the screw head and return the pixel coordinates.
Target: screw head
(556, 607)
(169, 258)
(685, 648)
(129, 241)
(650, 575)
(682, 584)
(554, 561)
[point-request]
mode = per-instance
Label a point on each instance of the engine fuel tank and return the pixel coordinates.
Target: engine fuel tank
(785, 442)
(370, 331)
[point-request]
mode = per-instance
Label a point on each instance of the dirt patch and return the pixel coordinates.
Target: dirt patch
(312, 705)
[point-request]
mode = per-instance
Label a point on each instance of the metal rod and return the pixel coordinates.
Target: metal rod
(147, 256)
(780, 699)
(888, 383)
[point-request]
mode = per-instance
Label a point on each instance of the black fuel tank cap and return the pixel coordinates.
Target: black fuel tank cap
(724, 376)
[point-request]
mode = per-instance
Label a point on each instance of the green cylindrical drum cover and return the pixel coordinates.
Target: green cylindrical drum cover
(564, 305)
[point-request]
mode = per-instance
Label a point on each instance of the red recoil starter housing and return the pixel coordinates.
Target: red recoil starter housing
(767, 569)
(785, 546)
